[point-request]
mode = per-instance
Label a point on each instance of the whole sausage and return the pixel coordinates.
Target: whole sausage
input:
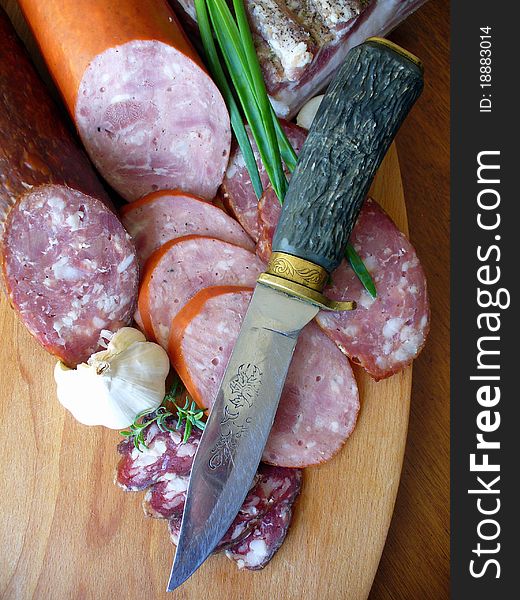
(149, 115)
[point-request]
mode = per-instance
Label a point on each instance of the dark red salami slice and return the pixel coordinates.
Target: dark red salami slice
(35, 146)
(386, 334)
(138, 470)
(70, 270)
(237, 190)
(181, 268)
(163, 216)
(262, 523)
(164, 468)
(258, 547)
(319, 403)
(166, 498)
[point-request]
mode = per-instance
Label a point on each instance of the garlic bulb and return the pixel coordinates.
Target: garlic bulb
(307, 113)
(117, 383)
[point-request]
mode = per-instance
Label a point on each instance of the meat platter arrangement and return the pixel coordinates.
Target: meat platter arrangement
(192, 212)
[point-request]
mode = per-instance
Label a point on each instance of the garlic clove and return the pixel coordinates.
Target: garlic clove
(122, 339)
(308, 112)
(117, 383)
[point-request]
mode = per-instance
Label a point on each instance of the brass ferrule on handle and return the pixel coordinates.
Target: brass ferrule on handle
(399, 49)
(300, 278)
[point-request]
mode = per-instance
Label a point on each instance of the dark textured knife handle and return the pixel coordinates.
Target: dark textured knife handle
(357, 120)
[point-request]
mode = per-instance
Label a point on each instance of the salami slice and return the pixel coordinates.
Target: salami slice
(319, 403)
(70, 270)
(237, 190)
(263, 520)
(386, 334)
(35, 146)
(166, 498)
(147, 112)
(163, 467)
(164, 455)
(182, 267)
(258, 548)
(163, 216)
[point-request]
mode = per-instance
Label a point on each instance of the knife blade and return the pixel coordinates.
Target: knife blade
(362, 110)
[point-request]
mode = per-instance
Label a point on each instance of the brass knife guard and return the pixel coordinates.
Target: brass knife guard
(302, 279)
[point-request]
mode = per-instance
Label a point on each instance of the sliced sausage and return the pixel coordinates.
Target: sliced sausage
(35, 146)
(70, 270)
(149, 115)
(382, 335)
(263, 520)
(163, 455)
(319, 403)
(165, 499)
(386, 334)
(255, 550)
(269, 211)
(237, 190)
(164, 466)
(163, 216)
(182, 267)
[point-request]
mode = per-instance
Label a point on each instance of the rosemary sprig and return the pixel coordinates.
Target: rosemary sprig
(189, 414)
(237, 47)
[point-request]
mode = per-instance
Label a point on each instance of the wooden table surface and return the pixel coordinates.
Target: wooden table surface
(415, 562)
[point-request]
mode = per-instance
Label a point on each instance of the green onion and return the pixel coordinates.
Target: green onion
(238, 50)
(240, 65)
(217, 72)
(358, 266)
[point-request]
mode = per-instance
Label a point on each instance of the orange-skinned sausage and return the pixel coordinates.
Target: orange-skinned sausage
(148, 113)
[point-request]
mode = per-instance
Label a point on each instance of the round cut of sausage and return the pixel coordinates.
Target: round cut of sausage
(237, 190)
(386, 334)
(70, 270)
(151, 118)
(164, 455)
(319, 402)
(182, 267)
(163, 216)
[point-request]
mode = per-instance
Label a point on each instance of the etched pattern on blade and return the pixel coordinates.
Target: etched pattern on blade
(243, 390)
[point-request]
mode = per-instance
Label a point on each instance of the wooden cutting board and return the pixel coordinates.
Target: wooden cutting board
(68, 532)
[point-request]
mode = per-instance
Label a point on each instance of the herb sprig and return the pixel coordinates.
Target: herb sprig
(189, 414)
(232, 32)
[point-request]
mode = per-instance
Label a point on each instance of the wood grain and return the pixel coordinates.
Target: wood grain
(69, 533)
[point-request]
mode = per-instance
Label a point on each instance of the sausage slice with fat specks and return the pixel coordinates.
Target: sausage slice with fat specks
(70, 270)
(147, 112)
(181, 268)
(382, 335)
(386, 334)
(164, 466)
(319, 403)
(237, 191)
(163, 216)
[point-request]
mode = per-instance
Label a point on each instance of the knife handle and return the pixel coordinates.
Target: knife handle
(357, 120)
